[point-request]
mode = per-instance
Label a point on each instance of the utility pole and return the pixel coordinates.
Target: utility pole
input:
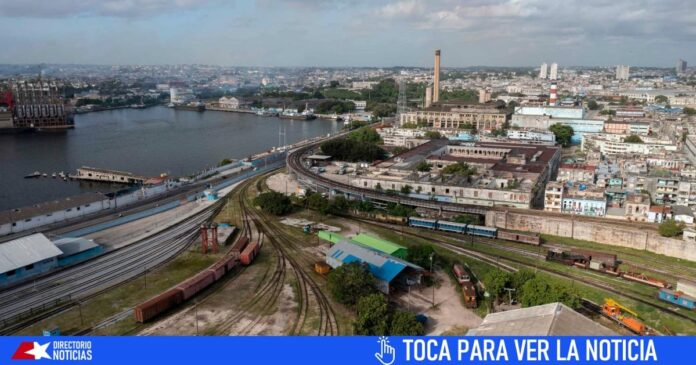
(432, 276)
(195, 308)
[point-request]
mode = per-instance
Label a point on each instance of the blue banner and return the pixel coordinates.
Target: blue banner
(349, 350)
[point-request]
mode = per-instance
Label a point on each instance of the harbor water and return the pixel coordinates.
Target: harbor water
(143, 141)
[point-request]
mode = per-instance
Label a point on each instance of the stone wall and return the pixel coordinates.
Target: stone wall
(591, 229)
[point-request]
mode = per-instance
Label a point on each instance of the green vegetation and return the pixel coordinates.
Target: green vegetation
(274, 203)
(406, 189)
(593, 105)
(423, 166)
(670, 228)
(689, 111)
(563, 133)
(466, 95)
(633, 139)
(381, 110)
(365, 135)
(376, 318)
(400, 210)
(608, 112)
(529, 289)
(459, 168)
(467, 218)
(224, 162)
(409, 125)
(350, 282)
(420, 255)
(433, 135)
(661, 99)
(341, 94)
(334, 106)
(352, 150)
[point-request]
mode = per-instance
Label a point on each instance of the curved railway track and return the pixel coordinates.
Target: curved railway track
(494, 260)
(52, 294)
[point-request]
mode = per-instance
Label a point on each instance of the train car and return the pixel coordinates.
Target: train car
(422, 222)
(469, 293)
(231, 261)
(157, 305)
(218, 270)
(451, 226)
(392, 219)
(482, 231)
(461, 274)
(609, 260)
(249, 253)
(240, 244)
(192, 286)
(524, 237)
(677, 298)
(642, 278)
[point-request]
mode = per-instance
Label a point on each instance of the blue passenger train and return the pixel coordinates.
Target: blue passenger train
(677, 298)
(455, 227)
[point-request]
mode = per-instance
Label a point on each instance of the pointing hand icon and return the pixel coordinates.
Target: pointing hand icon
(386, 354)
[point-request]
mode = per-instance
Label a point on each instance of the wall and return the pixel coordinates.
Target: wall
(614, 234)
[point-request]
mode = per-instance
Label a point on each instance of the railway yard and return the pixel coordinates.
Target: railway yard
(278, 292)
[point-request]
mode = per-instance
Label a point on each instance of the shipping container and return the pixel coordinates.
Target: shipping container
(192, 286)
(249, 253)
(155, 306)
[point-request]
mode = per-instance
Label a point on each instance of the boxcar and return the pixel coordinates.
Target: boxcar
(154, 306)
(249, 253)
(393, 219)
(677, 298)
(231, 261)
(422, 223)
(197, 283)
(482, 231)
(451, 226)
(524, 237)
(240, 244)
(218, 269)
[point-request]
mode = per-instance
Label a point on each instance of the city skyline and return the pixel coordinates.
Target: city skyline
(340, 34)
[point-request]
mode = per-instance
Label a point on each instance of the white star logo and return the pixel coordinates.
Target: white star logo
(39, 351)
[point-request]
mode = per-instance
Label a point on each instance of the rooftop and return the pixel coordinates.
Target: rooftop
(25, 251)
(20, 214)
(553, 319)
(383, 266)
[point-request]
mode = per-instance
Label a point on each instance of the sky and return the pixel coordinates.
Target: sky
(340, 33)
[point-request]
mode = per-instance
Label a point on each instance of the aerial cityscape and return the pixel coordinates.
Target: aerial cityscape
(406, 178)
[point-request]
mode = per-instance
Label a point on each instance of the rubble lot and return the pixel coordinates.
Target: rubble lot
(299, 222)
(281, 181)
(449, 314)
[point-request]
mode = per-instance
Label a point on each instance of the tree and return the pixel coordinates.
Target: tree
(409, 125)
(468, 219)
(633, 139)
(338, 205)
(366, 135)
(317, 202)
(496, 280)
(433, 135)
(373, 316)
(563, 133)
(689, 111)
(224, 162)
(521, 277)
(670, 228)
(405, 324)
(661, 99)
(459, 168)
(538, 291)
(406, 189)
(353, 150)
(423, 166)
(420, 255)
(609, 112)
(592, 105)
(333, 84)
(274, 203)
(400, 210)
(351, 281)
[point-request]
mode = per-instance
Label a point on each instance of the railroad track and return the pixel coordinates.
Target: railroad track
(494, 260)
(53, 294)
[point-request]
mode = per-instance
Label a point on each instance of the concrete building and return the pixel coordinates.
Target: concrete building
(484, 96)
(38, 105)
(25, 257)
(388, 270)
(576, 173)
(228, 102)
(360, 105)
(553, 319)
(681, 67)
(622, 72)
(531, 135)
(637, 207)
(584, 200)
(402, 137)
(457, 117)
(613, 144)
(553, 72)
(553, 197)
(543, 70)
(542, 117)
(96, 174)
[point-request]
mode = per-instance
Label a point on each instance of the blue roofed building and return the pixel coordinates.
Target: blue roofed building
(76, 250)
(25, 257)
(388, 269)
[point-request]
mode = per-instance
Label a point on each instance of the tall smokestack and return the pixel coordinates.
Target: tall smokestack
(553, 95)
(436, 78)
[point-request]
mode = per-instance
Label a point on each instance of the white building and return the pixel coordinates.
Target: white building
(531, 135)
(553, 73)
(228, 103)
(543, 71)
(360, 105)
(181, 95)
(622, 72)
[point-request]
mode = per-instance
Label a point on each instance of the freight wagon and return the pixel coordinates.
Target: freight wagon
(159, 304)
(247, 256)
(197, 283)
(240, 244)
(642, 278)
(677, 298)
(524, 237)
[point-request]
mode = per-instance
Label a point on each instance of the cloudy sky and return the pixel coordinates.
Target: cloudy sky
(349, 33)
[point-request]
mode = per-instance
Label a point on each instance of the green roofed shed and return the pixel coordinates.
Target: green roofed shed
(330, 236)
(381, 245)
